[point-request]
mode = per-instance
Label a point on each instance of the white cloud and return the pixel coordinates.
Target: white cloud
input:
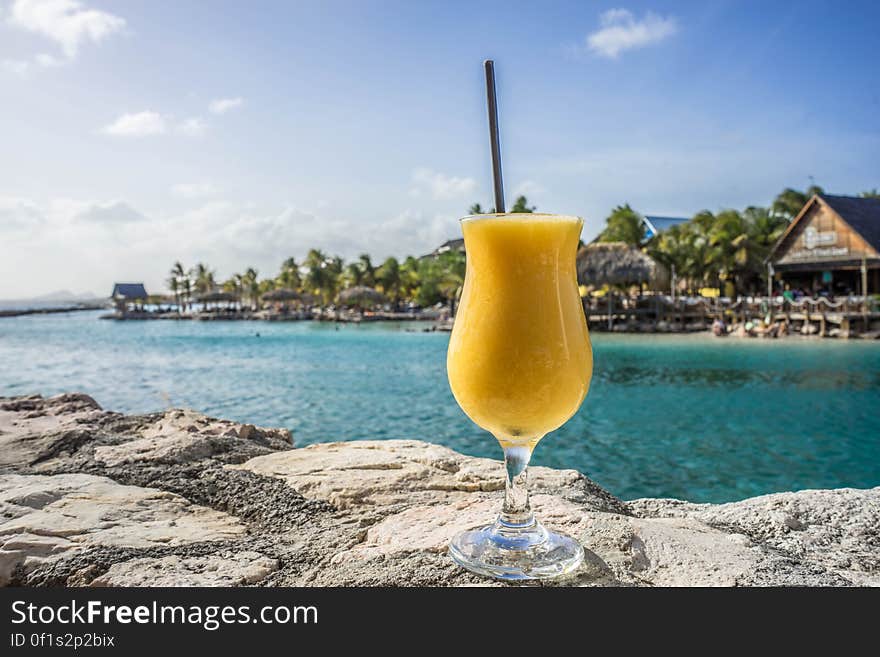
(19, 213)
(108, 212)
(115, 242)
(192, 127)
(66, 22)
(23, 67)
(440, 185)
(139, 124)
(620, 31)
(194, 190)
(223, 105)
(19, 67)
(46, 60)
(527, 188)
(149, 123)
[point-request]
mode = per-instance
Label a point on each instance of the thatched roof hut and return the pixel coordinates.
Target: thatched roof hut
(361, 296)
(618, 263)
(217, 297)
(282, 294)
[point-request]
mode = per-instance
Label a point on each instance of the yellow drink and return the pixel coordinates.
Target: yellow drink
(519, 359)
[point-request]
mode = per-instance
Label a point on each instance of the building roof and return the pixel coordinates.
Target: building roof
(129, 291)
(449, 245)
(617, 263)
(655, 225)
(863, 214)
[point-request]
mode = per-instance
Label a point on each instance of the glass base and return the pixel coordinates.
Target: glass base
(516, 552)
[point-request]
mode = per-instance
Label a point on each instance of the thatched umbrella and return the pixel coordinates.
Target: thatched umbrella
(618, 263)
(282, 294)
(309, 299)
(361, 296)
(216, 297)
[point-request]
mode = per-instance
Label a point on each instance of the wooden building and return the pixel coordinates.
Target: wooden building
(832, 246)
(128, 297)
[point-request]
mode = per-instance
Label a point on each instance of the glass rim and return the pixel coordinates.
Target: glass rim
(522, 215)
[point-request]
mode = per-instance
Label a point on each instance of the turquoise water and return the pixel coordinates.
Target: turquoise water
(692, 417)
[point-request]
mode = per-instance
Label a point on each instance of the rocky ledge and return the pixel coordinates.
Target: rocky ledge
(91, 497)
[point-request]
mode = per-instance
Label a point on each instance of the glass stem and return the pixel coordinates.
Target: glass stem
(516, 511)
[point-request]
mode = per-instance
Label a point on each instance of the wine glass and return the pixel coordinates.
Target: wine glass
(519, 365)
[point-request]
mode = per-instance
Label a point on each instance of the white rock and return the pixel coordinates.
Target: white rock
(46, 516)
(243, 568)
(387, 472)
(179, 436)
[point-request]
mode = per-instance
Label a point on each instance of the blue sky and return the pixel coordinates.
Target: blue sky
(138, 133)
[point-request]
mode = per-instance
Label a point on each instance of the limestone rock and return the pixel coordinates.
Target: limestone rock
(91, 497)
(411, 497)
(837, 529)
(180, 436)
(45, 517)
(230, 569)
(71, 432)
(382, 473)
(30, 425)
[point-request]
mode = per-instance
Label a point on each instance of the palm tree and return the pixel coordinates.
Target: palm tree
(790, 201)
(623, 225)
(204, 279)
(315, 263)
(174, 286)
(231, 286)
(289, 277)
(187, 292)
(175, 282)
(521, 205)
(389, 277)
(333, 268)
(266, 285)
(250, 285)
(323, 274)
(353, 275)
(452, 277)
(367, 270)
(409, 278)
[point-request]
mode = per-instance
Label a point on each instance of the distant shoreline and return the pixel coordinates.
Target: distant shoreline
(49, 311)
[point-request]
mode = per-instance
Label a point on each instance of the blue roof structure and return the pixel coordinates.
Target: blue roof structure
(656, 225)
(863, 214)
(129, 291)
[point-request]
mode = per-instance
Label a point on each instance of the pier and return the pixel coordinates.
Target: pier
(843, 317)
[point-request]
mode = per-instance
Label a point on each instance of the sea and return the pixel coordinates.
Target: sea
(685, 416)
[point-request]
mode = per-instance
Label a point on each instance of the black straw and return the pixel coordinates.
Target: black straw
(493, 134)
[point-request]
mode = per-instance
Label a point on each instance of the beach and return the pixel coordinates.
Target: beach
(686, 416)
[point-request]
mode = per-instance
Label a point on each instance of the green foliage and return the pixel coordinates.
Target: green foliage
(289, 277)
(870, 193)
(440, 279)
(624, 225)
(521, 205)
(712, 249)
(389, 278)
(790, 201)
